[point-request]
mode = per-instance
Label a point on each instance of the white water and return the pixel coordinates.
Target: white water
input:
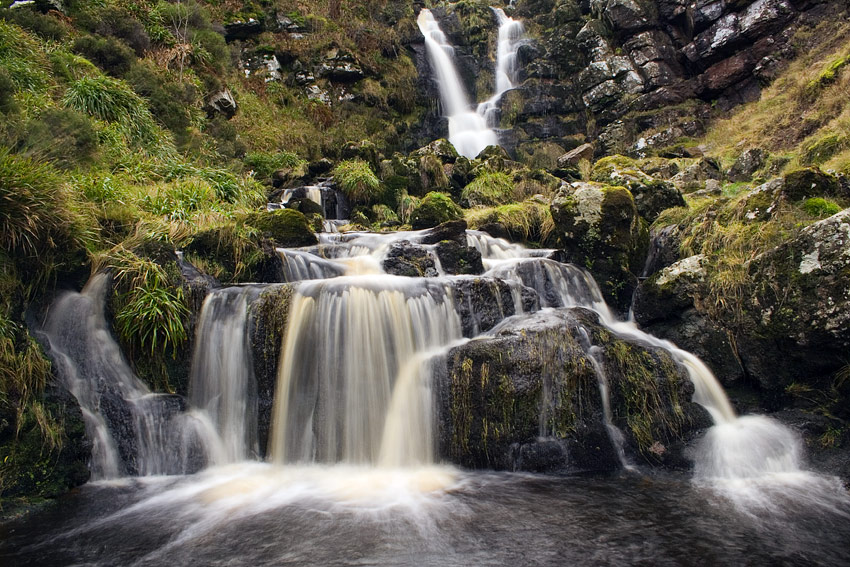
(468, 130)
(132, 430)
(510, 38)
(222, 383)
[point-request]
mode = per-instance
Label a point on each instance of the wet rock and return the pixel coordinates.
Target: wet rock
(527, 398)
(452, 230)
(411, 260)
(482, 303)
(459, 259)
(664, 243)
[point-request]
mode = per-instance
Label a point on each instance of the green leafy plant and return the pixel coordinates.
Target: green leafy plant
(820, 207)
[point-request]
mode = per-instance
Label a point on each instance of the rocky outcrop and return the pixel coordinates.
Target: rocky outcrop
(528, 398)
(797, 327)
(598, 227)
(411, 260)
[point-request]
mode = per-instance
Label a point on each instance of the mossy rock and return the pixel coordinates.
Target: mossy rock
(651, 195)
(599, 228)
(489, 189)
(434, 209)
(286, 227)
(810, 182)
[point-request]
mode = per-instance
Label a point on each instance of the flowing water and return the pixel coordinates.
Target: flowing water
(352, 475)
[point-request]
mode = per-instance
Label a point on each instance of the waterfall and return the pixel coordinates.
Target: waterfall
(471, 131)
(510, 35)
(468, 130)
(132, 430)
(350, 346)
(222, 383)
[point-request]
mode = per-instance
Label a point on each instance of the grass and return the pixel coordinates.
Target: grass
(489, 189)
(529, 221)
(358, 181)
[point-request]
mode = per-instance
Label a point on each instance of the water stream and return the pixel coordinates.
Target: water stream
(353, 475)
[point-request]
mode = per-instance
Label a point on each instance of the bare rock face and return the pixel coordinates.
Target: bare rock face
(222, 103)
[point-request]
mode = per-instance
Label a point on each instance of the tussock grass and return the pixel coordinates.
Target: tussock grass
(358, 181)
(530, 220)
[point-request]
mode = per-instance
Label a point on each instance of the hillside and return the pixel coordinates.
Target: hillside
(717, 172)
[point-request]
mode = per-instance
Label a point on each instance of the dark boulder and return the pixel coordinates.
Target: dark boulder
(459, 259)
(411, 260)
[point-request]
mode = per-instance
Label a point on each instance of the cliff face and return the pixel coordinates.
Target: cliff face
(632, 74)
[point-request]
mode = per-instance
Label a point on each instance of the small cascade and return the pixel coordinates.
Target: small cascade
(350, 345)
(468, 130)
(510, 38)
(133, 431)
(222, 383)
(299, 265)
(333, 202)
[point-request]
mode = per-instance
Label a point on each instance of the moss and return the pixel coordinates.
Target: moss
(434, 209)
(605, 167)
(489, 189)
(286, 227)
(819, 207)
(809, 182)
(822, 149)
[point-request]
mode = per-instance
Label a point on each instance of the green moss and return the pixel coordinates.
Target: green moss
(809, 182)
(819, 207)
(358, 181)
(434, 209)
(605, 167)
(286, 227)
(489, 189)
(822, 149)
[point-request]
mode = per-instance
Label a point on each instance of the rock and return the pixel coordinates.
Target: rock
(242, 30)
(320, 167)
(669, 290)
(627, 15)
(286, 227)
(664, 246)
(482, 303)
(453, 230)
(269, 316)
(573, 157)
(411, 260)
(434, 209)
(694, 176)
(342, 67)
(528, 396)
(48, 5)
(222, 103)
(459, 259)
(598, 226)
(651, 195)
(810, 182)
(797, 314)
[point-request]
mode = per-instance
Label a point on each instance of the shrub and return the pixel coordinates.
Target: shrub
(44, 26)
(63, 136)
(122, 25)
(820, 207)
(489, 188)
(113, 100)
(69, 67)
(169, 102)
(357, 181)
(108, 53)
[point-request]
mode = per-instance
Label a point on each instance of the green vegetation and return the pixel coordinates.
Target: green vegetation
(434, 209)
(489, 189)
(358, 181)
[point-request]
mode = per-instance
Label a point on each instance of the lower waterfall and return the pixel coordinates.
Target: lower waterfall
(354, 454)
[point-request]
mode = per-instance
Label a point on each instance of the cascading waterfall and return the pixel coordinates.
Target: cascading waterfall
(510, 38)
(222, 383)
(133, 431)
(468, 130)
(472, 131)
(348, 341)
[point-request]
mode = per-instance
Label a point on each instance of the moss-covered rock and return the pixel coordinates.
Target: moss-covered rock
(599, 228)
(434, 209)
(269, 317)
(232, 254)
(651, 195)
(489, 189)
(810, 182)
(533, 383)
(286, 228)
(797, 314)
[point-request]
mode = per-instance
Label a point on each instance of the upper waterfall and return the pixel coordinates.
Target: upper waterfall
(468, 130)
